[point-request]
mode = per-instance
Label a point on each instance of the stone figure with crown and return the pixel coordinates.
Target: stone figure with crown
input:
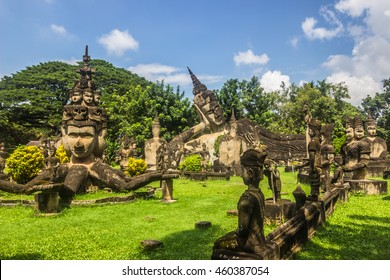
(84, 127)
(153, 145)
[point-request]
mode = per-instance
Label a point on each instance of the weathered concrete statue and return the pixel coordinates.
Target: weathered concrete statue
(248, 240)
(327, 155)
(231, 147)
(153, 145)
(281, 147)
(355, 151)
(84, 126)
(378, 146)
(314, 158)
(127, 151)
(274, 180)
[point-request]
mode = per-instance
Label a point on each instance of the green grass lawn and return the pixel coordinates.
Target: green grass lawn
(114, 231)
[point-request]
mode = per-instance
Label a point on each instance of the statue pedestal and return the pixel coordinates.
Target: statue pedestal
(167, 190)
(47, 202)
(278, 212)
(377, 168)
(376, 187)
(226, 248)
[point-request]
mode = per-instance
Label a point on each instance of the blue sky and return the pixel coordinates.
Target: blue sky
(279, 40)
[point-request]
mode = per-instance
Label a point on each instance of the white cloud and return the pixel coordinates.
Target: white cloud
(272, 80)
(58, 29)
(171, 75)
(118, 42)
(358, 87)
(364, 70)
(249, 57)
(367, 24)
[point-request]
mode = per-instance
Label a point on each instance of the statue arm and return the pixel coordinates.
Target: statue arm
(245, 210)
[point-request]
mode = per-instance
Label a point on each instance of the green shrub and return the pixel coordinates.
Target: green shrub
(136, 167)
(61, 154)
(25, 163)
(191, 163)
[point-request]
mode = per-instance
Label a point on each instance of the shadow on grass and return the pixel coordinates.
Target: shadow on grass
(386, 197)
(363, 238)
(193, 244)
(33, 256)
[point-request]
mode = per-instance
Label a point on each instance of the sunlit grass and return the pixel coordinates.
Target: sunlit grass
(357, 230)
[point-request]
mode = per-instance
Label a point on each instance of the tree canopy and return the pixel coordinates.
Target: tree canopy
(32, 100)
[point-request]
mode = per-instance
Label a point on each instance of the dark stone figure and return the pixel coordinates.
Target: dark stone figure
(274, 181)
(355, 151)
(248, 240)
(314, 158)
(327, 155)
(52, 162)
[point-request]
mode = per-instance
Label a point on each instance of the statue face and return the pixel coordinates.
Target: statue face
(349, 133)
(359, 132)
(371, 130)
(212, 110)
(81, 140)
(76, 97)
(97, 98)
(88, 97)
(250, 176)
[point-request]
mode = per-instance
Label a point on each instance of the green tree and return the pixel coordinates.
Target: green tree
(378, 107)
(132, 113)
(31, 101)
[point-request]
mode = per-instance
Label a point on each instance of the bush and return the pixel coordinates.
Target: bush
(192, 163)
(25, 163)
(61, 154)
(136, 167)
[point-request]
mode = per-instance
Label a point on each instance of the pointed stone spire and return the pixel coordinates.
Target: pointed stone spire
(233, 115)
(198, 86)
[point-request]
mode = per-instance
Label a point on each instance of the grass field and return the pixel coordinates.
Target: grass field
(114, 231)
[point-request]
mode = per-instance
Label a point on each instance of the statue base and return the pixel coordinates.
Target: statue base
(369, 187)
(47, 202)
(278, 212)
(377, 168)
(226, 248)
(167, 190)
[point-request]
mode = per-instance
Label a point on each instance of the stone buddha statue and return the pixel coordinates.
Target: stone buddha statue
(378, 146)
(248, 240)
(355, 151)
(152, 145)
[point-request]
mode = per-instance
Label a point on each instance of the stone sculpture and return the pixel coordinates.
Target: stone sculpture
(274, 181)
(378, 146)
(355, 151)
(314, 158)
(153, 145)
(84, 127)
(327, 155)
(280, 147)
(231, 146)
(248, 240)
(127, 151)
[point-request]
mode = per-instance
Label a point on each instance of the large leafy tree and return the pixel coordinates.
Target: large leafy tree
(132, 113)
(31, 101)
(378, 107)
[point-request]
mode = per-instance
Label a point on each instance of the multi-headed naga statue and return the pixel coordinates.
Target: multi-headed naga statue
(84, 127)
